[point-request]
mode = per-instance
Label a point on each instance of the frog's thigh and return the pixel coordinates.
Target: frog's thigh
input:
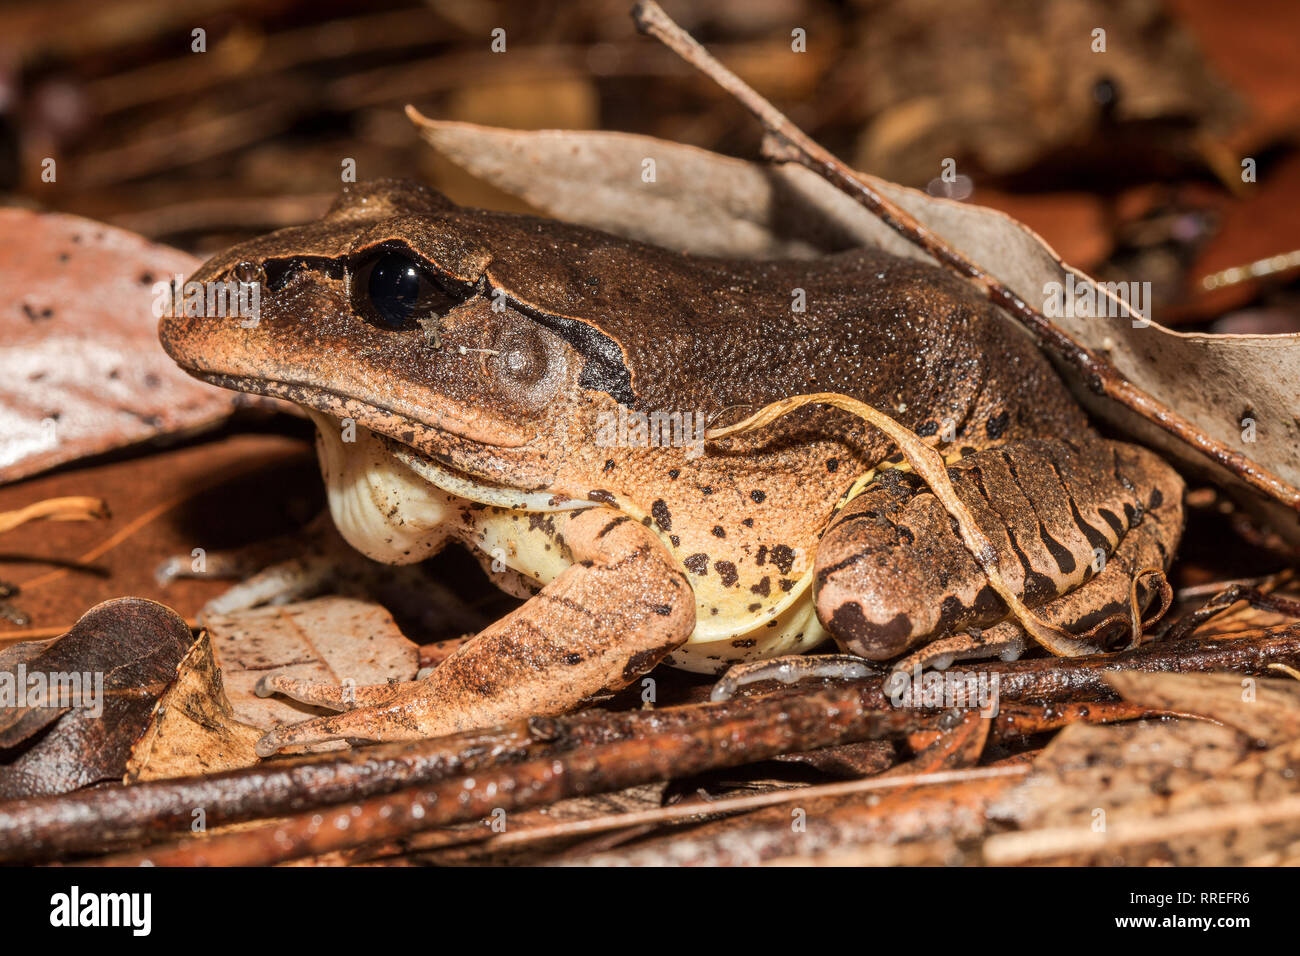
(891, 571)
(610, 617)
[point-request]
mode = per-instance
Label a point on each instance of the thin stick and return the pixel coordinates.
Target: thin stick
(786, 142)
(732, 805)
(75, 508)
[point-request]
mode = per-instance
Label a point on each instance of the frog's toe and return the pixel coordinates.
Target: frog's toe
(792, 669)
(363, 724)
(342, 696)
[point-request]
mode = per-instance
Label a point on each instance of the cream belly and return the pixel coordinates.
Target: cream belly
(388, 512)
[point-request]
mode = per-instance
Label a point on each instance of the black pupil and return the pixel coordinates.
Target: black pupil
(394, 288)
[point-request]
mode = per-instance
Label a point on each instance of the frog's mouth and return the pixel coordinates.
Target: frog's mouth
(476, 489)
(327, 409)
(394, 422)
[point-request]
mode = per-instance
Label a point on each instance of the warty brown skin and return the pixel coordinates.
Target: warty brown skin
(552, 325)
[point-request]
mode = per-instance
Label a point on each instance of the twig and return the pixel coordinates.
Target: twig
(75, 508)
(732, 805)
(786, 142)
(96, 820)
(770, 726)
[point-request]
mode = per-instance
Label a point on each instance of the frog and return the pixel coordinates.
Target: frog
(544, 394)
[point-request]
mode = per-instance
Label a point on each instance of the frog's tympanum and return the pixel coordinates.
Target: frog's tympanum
(539, 392)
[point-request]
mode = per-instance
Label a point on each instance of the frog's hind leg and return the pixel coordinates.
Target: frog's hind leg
(892, 574)
(616, 612)
(1100, 604)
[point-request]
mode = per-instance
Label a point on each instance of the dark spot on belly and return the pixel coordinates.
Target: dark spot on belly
(727, 572)
(832, 465)
(613, 523)
(661, 515)
(758, 497)
(787, 584)
(748, 522)
(783, 558)
(763, 588)
(673, 473)
(697, 563)
(675, 540)
(604, 497)
(753, 607)
(761, 558)
(542, 522)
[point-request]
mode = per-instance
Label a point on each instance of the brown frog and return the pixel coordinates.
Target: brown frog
(539, 392)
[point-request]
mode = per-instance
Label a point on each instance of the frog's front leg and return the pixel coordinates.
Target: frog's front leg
(892, 574)
(611, 616)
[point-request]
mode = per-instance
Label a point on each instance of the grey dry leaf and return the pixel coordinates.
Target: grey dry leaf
(1091, 767)
(709, 204)
(1266, 709)
(329, 639)
(1174, 792)
(81, 370)
(193, 729)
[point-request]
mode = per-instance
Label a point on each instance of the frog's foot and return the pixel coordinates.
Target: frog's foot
(1005, 640)
(790, 670)
(1071, 524)
(276, 571)
(616, 612)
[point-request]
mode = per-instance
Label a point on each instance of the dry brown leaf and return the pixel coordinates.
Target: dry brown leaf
(709, 204)
(118, 658)
(81, 370)
(330, 639)
(193, 729)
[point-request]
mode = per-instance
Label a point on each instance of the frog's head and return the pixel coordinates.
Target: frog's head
(386, 313)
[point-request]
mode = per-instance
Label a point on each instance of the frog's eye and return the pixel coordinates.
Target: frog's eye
(395, 292)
